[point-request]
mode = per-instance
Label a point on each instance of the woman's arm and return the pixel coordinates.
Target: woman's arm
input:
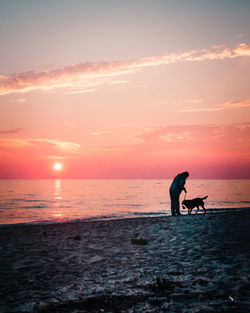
(182, 182)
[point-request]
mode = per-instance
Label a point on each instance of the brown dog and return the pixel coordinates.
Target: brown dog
(194, 203)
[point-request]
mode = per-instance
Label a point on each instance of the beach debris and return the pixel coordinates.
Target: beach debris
(77, 238)
(47, 235)
(163, 284)
(138, 240)
(95, 259)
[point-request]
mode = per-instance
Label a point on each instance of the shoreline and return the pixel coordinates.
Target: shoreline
(135, 216)
(88, 266)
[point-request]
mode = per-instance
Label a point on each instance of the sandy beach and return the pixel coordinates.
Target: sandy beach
(197, 263)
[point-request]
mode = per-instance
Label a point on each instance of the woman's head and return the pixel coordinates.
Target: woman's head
(185, 174)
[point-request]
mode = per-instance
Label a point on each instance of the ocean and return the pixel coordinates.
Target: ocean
(54, 201)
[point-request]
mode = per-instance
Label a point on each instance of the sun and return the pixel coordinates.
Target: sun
(57, 166)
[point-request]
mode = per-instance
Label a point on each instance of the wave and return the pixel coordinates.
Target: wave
(35, 207)
(124, 215)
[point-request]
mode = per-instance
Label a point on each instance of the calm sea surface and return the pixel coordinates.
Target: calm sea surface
(43, 201)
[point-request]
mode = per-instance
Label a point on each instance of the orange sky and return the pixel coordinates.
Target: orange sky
(164, 93)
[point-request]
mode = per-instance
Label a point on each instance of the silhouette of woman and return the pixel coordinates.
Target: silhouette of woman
(175, 190)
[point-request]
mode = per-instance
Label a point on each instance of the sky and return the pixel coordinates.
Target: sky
(124, 89)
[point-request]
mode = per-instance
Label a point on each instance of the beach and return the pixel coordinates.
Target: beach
(197, 263)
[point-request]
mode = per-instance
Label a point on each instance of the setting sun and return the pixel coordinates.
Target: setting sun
(58, 166)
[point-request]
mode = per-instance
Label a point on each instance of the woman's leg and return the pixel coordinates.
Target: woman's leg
(177, 204)
(174, 203)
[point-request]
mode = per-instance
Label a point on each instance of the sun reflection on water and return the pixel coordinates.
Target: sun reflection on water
(57, 212)
(57, 192)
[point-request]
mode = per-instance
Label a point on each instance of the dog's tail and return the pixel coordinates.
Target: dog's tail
(204, 198)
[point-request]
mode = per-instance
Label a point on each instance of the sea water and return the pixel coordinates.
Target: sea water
(45, 201)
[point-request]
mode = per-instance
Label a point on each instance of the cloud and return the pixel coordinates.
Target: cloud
(227, 105)
(66, 146)
(19, 100)
(167, 134)
(102, 132)
(218, 46)
(235, 104)
(77, 92)
(85, 75)
(13, 143)
(54, 157)
(61, 145)
(197, 136)
(11, 131)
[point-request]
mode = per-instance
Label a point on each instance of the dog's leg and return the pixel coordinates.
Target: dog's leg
(204, 209)
(197, 209)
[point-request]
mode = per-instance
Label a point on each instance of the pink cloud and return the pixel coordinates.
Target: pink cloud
(101, 132)
(11, 131)
(67, 146)
(195, 138)
(19, 100)
(86, 75)
(227, 105)
(35, 144)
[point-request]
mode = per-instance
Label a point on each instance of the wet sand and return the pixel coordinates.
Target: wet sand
(197, 263)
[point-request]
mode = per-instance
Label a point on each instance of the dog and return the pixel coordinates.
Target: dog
(194, 203)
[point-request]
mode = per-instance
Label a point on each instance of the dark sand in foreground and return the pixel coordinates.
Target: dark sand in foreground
(201, 263)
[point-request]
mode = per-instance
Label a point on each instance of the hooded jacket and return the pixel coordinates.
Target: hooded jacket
(178, 184)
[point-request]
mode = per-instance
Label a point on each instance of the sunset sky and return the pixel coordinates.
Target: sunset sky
(124, 89)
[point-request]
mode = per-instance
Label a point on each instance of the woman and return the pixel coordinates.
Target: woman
(175, 190)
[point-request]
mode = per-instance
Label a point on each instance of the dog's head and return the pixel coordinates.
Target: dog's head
(183, 204)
